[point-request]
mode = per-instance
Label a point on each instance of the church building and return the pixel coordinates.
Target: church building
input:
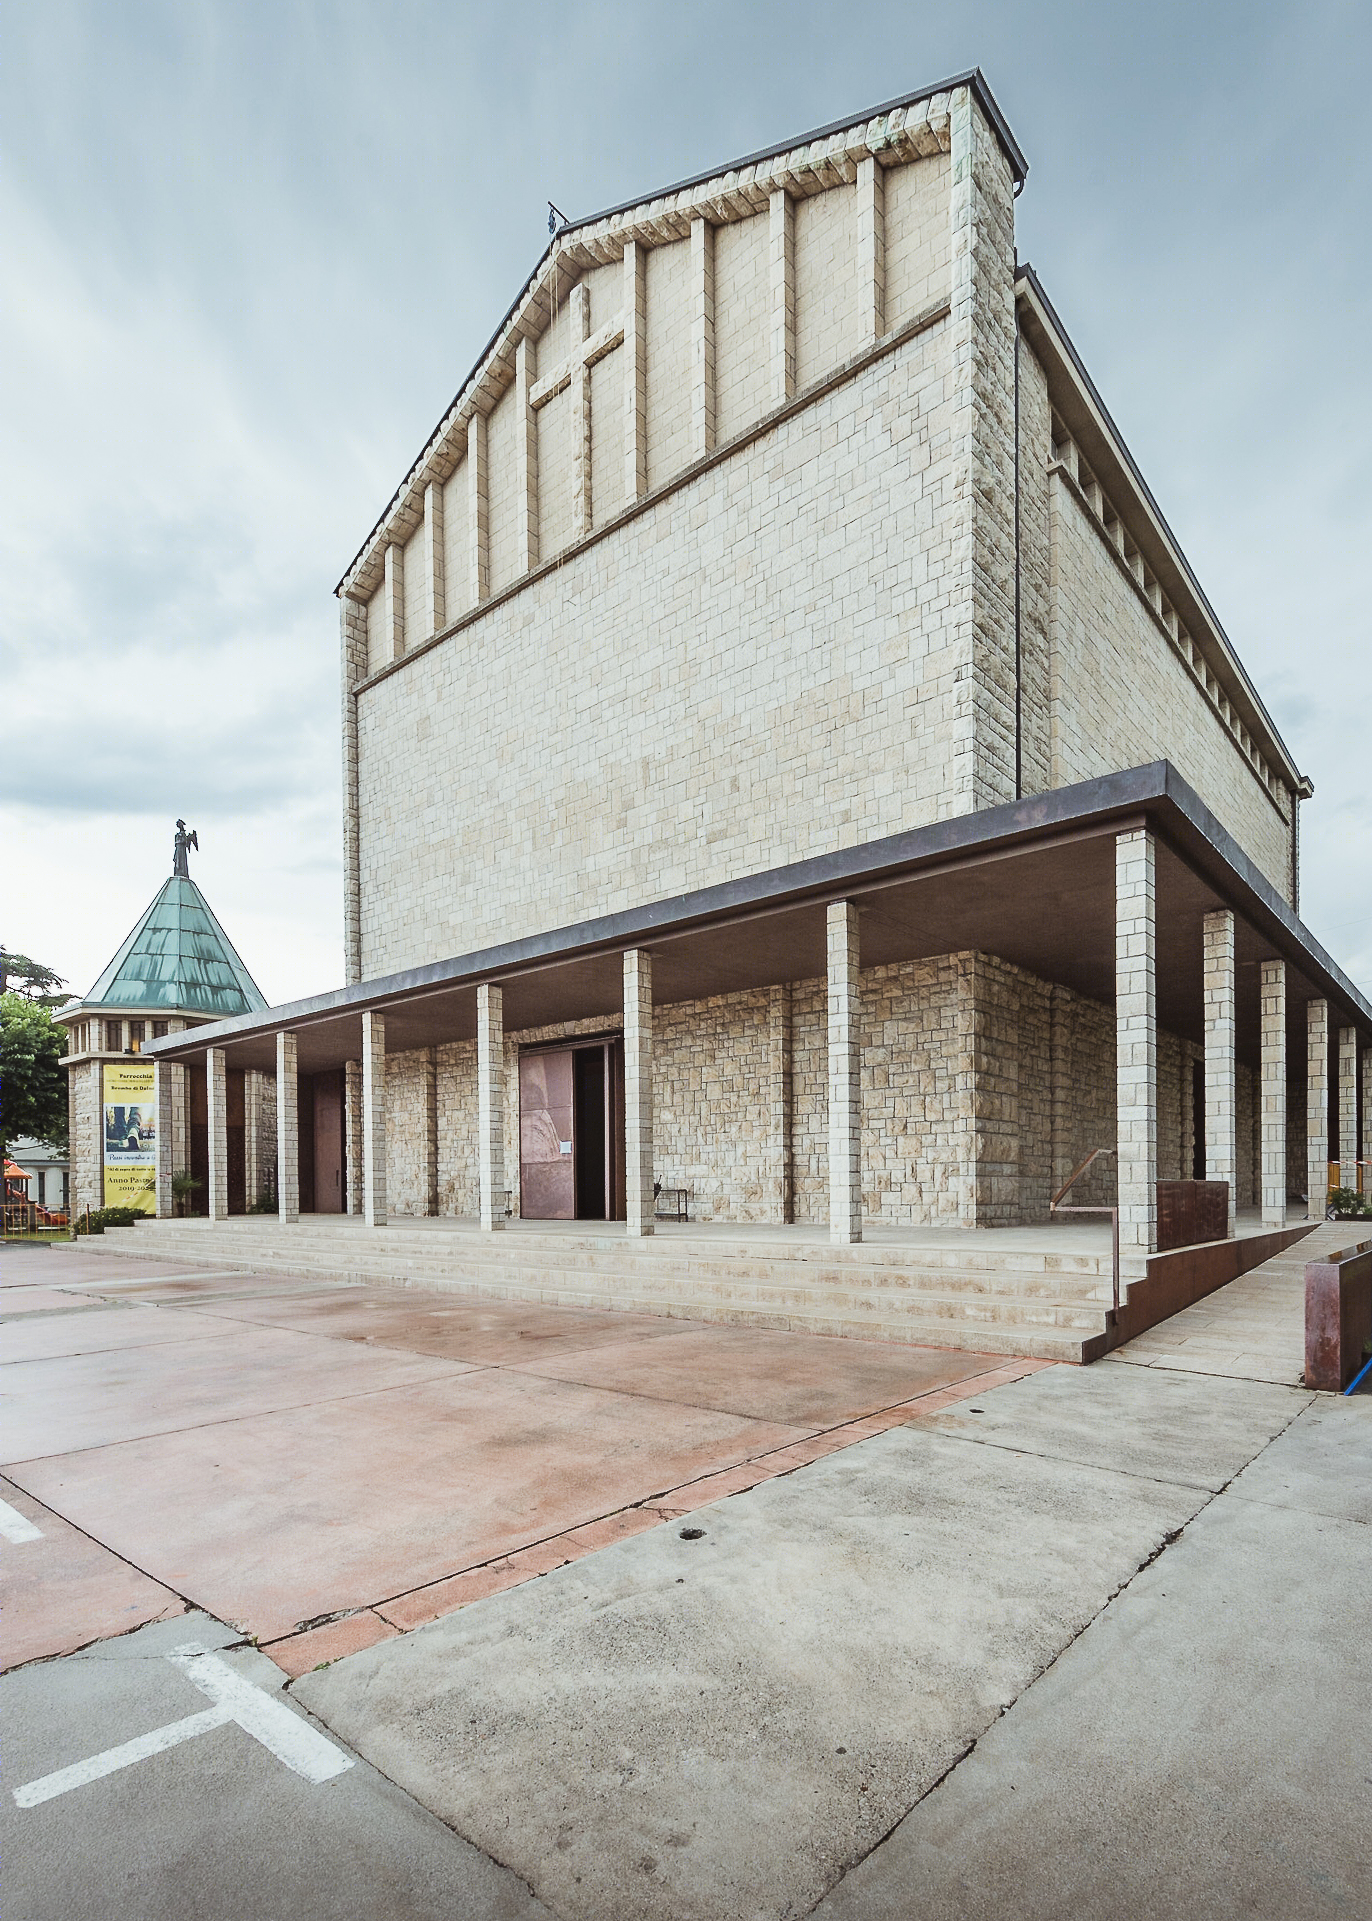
(793, 775)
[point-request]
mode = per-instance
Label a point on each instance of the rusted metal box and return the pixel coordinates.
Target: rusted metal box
(1338, 1317)
(1192, 1211)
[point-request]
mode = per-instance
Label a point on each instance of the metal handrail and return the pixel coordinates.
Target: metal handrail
(1055, 1206)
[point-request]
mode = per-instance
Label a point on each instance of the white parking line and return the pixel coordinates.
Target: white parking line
(292, 1740)
(14, 1528)
(113, 1759)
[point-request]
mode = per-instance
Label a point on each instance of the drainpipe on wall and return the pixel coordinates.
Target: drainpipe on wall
(1019, 715)
(1304, 792)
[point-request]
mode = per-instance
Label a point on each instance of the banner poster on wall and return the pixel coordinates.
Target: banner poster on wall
(131, 1135)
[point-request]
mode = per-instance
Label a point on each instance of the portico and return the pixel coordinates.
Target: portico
(1122, 894)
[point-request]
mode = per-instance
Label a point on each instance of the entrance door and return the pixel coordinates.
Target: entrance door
(571, 1132)
(322, 1189)
(547, 1167)
(329, 1143)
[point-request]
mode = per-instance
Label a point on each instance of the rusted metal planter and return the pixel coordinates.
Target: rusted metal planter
(1338, 1317)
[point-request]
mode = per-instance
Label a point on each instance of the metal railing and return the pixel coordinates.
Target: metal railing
(1055, 1206)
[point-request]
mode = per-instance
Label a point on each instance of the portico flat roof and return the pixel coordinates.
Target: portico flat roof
(1032, 881)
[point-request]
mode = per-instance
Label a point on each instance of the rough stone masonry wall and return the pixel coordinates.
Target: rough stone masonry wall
(982, 1087)
(85, 1136)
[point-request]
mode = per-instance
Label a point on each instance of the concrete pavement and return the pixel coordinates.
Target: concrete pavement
(1201, 1750)
(1064, 1641)
(215, 1827)
(727, 1726)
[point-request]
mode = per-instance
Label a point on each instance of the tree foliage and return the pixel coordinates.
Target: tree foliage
(30, 979)
(33, 1081)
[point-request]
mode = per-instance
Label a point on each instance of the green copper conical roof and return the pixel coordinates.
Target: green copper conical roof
(178, 960)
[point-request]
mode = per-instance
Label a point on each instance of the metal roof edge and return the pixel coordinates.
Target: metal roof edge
(1086, 804)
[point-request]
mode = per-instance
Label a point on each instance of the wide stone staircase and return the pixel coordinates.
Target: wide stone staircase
(1042, 1304)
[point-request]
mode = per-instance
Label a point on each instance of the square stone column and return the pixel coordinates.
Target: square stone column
(638, 1091)
(170, 1077)
(1136, 1043)
(1316, 1108)
(845, 1074)
(1221, 1124)
(490, 1104)
(352, 1132)
(374, 1118)
(1272, 1098)
(217, 1109)
(252, 1134)
(1348, 1106)
(1367, 1112)
(779, 1099)
(287, 1130)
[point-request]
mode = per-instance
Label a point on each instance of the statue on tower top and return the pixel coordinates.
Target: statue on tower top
(180, 865)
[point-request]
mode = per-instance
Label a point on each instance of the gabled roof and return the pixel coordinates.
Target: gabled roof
(178, 960)
(914, 125)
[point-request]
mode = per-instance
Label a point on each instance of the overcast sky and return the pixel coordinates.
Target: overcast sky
(254, 248)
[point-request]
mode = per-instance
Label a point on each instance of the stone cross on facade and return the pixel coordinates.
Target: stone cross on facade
(184, 841)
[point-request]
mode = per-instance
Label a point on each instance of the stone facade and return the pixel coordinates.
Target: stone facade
(758, 538)
(756, 535)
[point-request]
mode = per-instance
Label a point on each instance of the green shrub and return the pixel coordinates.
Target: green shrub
(1345, 1204)
(100, 1218)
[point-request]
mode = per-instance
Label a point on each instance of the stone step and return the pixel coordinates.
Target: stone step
(658, 1272)
(566, 1252)
(264, 1231)
(1004, 1322)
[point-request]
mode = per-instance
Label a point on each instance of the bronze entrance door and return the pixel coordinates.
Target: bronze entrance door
(322, 1172)
(571, 1132)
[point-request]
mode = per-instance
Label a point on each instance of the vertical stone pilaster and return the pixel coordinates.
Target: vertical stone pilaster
(1136, 1042)
(287, 1130)
(526, 458)
(252, 1135)
(1272, 1093)
(373, 1118)
(782, 259)
(1221, 1107)
(395, 600)
(216, 1093)
(779, 1098)
(478, 511)
(1316, 1108)
(702, 337)
(638, 1091)
(979, 519)
(871, 213)
(1367, 1114)
(435, 583)
(353, 651)
(845, 1073)
(352, 1133)
(1348, 1106)
(490, 1103)
(579, 314)
(635, 373)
